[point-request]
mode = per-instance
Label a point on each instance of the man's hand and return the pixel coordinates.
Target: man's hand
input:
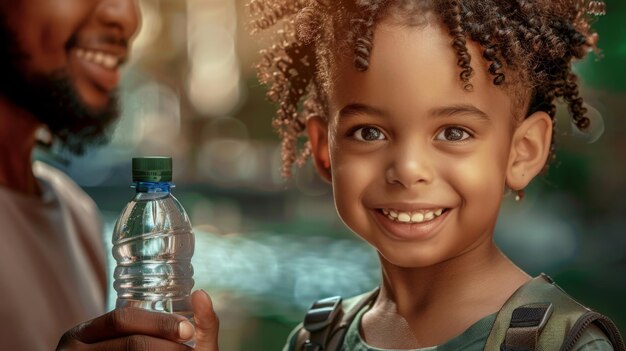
(134, 329)
(207, 324)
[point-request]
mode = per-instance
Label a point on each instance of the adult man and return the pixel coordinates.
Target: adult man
(59, 63)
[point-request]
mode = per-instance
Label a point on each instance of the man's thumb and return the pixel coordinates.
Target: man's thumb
(207, 324)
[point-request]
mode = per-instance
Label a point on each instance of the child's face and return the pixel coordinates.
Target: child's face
(405, 137)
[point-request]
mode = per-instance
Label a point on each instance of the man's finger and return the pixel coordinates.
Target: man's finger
(129, 321)
(138, 343)
(207, 324)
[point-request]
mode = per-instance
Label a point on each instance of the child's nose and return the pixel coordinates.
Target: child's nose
(410, 166)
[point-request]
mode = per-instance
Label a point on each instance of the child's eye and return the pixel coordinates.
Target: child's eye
(454, 134)
(368, 134)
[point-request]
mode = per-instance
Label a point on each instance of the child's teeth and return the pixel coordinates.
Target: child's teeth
(404, 217)
(412, 217)
(417, 217)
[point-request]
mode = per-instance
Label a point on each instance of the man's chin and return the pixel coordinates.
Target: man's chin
(94, 100)
(78, 121)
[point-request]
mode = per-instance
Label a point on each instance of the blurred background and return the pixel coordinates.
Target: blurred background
(267, 248)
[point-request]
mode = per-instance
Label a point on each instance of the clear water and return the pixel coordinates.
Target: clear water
(153, 244)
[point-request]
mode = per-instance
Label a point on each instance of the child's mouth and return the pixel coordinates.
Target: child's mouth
(421, 216)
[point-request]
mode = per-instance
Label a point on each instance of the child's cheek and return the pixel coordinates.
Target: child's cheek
(351, 178)
(480, 185)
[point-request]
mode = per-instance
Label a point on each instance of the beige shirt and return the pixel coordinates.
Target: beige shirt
(52, 269)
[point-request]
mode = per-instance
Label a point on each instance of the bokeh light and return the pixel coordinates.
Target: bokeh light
(214, 74)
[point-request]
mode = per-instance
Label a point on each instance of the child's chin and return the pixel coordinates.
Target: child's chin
(405, 259)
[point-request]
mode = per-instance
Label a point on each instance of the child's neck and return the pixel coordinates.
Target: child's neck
(416, 290)
(439, 302)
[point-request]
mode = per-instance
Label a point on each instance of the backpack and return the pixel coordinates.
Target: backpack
(538, 316)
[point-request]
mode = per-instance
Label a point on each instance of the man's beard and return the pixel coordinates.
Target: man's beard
(53, 99)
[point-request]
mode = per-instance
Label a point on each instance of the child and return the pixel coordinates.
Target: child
(422, 114)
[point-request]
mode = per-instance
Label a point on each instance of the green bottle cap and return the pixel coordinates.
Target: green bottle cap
(152, 169)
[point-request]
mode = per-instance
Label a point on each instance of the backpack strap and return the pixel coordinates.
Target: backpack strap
(325, 324)
(541, 316)
(603, 322)
(320, 320)
(527, 323)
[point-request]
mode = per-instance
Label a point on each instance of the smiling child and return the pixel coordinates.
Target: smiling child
(421, 114)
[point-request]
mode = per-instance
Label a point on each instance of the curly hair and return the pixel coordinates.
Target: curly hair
(536, 41)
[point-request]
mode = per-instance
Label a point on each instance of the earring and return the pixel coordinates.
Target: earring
(520, 195)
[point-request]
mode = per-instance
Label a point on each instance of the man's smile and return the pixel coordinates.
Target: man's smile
(102, 58)
(98, 65)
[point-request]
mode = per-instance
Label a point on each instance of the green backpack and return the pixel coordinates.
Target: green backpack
(538, 316)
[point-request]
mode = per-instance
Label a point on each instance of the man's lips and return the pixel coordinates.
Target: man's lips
(99, 66)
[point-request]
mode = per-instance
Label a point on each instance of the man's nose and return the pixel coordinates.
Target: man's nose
(123, 15)
(410, 165)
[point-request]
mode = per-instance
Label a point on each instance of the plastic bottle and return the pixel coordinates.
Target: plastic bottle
(153, 243)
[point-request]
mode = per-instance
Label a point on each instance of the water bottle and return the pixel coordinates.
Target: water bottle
(153, 244)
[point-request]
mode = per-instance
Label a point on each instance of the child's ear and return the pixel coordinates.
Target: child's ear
(530, 148)
(317, 128)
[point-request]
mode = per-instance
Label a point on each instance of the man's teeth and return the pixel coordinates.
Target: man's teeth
(98, 57)
(412, 217)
